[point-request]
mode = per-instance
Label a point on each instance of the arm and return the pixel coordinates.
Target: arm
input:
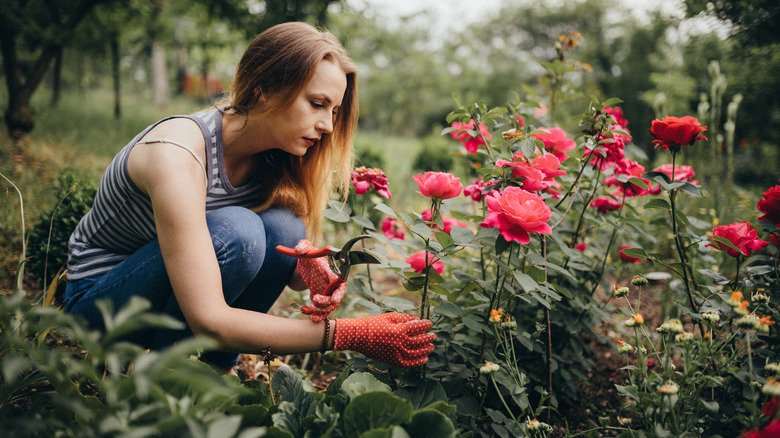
(174, 182)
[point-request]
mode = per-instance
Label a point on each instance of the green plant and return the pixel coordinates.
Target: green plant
(48, 239)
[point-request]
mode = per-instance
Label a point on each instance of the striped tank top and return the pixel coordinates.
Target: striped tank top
(121, 220)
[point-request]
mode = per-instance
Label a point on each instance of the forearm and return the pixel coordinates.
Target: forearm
(245, 331)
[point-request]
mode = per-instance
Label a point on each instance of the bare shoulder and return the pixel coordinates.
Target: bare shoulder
(151, 163)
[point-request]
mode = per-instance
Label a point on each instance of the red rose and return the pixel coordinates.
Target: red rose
(392, 228)
(417, 262)
(470, 143)
(771, 407)
(627, 257)
(439, 185)
(675, 132)
(770, 205)
(609, 149)
(517, 212)
(556, 142)
(364, 178)
(581, 247)
(741, 235)
(605, 204)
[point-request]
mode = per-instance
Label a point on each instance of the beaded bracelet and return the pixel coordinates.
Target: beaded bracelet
(325, 337)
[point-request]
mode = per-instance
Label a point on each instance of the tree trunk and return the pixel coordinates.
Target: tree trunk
(115, 75)
(56, 78)
(18, 116)
(159, 75)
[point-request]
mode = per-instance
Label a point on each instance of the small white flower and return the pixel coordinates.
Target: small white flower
(773, 367)
(684, 337)
(489, 368)
(671, 326)
(749, 322)
(537, 425)
(771, 387)
(668, 388)
(760, 298)
(711, 316)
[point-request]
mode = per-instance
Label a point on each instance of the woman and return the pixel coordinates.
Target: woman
(202, 249)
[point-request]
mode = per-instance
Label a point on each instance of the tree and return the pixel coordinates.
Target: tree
(45, 27)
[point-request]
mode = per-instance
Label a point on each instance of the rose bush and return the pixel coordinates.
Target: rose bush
(516, 213)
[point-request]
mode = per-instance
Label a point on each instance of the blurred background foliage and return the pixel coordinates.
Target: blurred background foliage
(82, 77)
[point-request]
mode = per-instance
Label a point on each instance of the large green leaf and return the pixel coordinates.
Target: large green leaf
(361, 383)
(375, 410)
(289, 384)
(429, 423)
(421, 396)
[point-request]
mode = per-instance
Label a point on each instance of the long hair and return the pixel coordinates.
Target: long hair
(276, 66)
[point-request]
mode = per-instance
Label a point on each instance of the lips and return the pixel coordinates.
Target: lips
(310, 141)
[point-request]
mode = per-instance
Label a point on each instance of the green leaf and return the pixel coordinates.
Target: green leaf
(289, 384)
(362, 383)
(375, 410)
(638, 182)
(335, 386)
(363, 222)
(386, 432)
(659, 203)
(462, 236)
(386, 210)
(501, 244)
(337, 212)
(717, 239)
(429, 392)
(635, 252)
(443, 238)
(288, 418)
(430, 424)
(526, 282)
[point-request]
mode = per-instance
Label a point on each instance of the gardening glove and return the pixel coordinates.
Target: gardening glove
(394, 338)
(326, 289)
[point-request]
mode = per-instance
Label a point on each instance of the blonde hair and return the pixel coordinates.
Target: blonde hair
(277, 65)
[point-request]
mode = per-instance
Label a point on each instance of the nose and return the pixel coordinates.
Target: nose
(325, 124)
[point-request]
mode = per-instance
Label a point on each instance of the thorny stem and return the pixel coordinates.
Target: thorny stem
(579, 175)
(678, 241)
(368, 265)
(549, 334)
(587, 203)
(736, 277)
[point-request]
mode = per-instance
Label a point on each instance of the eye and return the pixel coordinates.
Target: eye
(317, 104)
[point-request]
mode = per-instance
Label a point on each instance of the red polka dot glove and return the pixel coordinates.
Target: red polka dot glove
(326, 289)
(394, 338)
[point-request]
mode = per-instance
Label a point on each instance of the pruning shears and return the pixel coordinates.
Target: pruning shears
(340, 260)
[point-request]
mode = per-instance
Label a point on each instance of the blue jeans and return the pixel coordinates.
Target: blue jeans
(253, 274)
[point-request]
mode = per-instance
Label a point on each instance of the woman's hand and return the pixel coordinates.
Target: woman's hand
(394, 338)
(326, 289)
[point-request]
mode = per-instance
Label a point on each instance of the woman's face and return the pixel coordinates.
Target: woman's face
(311, 115)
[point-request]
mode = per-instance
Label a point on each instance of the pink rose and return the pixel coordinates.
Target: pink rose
(581, 247)
(417, 262)
(556, 142)
(517, 212)
(610, 149)
(470, 143)
(392, 228)
(675, 132)
(617, 114)
(474, 190)
(626, 257)
(770, 205)
(631, 169)
(520, 121)
(605, 204)
(364, 179)
(439, 185)
(536, 175)
(741, 235)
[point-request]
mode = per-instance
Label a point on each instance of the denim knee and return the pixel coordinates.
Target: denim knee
(239, 239)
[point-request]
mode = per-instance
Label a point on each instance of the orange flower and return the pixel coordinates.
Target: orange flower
(495, 315)
(639, 319)
(743, 308)
(736, 298)
(767, 320)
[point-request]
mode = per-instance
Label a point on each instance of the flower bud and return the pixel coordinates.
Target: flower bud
(639, 280)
